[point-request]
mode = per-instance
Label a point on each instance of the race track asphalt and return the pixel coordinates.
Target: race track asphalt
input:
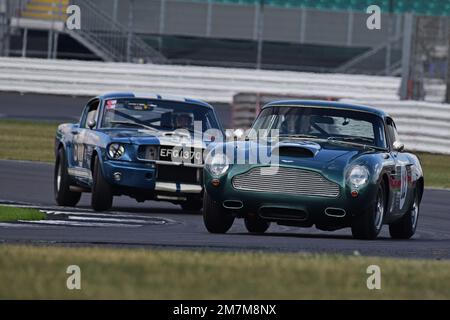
(163, 225)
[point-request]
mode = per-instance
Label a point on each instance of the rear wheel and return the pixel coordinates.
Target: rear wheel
(61, 183)
(406, 226)
(255, 224)
(368, 225)
(216, 218)
(102, 194)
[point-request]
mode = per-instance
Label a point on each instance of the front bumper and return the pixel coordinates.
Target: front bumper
(143, 176)
(323, 211)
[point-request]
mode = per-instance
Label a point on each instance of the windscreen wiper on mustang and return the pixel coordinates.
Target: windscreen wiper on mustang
(298, 135)
(136, 124)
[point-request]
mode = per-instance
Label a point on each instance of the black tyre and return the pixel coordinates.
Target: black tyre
(61, 183)
(192, 205)
(255, 224)
(406, 226)
(216, 218)
(102, 194)
(368, 225)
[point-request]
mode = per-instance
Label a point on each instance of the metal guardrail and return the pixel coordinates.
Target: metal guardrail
(209, 83)
(423, 126)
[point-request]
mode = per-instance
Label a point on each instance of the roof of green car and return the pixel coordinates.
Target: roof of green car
(328, 104)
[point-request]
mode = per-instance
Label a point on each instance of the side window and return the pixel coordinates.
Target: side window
(392, 132)
(89, 114)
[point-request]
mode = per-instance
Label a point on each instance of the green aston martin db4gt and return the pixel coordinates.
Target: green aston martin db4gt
(329, 164)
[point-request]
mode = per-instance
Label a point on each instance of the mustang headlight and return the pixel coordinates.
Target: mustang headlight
(358, 176)
(217, 164)
(116, 151)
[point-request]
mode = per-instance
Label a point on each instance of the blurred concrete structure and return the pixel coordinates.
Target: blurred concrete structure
(312, 31)
(328, 36)
(107, 39)
(3, 28)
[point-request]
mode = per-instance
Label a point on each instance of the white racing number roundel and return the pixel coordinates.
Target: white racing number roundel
(403, 185)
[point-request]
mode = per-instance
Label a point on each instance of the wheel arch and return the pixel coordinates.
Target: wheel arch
(97, 154)
(420, 185)
(58, 146)
(387, 189)
(93, 157)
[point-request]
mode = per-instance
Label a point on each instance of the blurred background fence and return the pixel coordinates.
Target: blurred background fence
(218, 50)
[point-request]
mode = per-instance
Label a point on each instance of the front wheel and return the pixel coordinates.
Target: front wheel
(255, 224)
(61, 183)
(406, 226)
(102, 194)
(194, 205)
(368, 225)
(216, 218)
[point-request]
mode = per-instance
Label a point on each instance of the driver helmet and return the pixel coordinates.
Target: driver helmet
(183, 120)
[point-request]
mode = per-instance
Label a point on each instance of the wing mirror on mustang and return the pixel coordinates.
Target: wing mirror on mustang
(237, 134)
(398, 146)
(91, 124)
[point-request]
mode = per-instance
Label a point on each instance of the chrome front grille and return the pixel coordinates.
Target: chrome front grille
(284, 180)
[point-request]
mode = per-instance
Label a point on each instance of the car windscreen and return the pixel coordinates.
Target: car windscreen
(155, 114)
(324, 123)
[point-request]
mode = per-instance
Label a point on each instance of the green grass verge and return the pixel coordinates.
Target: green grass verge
(11, 214)
(436, 169)
(40, 272)
(27, 140)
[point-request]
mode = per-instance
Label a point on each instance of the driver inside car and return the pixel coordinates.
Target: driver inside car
(184, 121)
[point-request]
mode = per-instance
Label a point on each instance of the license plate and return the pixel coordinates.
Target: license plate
(179, 154)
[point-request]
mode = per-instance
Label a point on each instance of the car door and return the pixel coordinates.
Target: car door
(82, 141)
(401, 176)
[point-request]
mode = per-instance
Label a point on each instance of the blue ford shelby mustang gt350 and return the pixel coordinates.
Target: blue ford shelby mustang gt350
(125, 144)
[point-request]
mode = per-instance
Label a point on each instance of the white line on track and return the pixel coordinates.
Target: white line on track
(79, 218)
(83, 218)
(112, 215)
(79, 224)
(15, 225)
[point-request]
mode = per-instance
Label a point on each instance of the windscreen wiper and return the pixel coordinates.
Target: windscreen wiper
(299, 136)
(129, 123)
(349, 140)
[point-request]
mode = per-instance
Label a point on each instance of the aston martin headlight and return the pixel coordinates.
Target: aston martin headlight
(116, 151)
(358, 176)
(218, 164)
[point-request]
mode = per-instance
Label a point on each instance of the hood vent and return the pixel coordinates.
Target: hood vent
(299, 152)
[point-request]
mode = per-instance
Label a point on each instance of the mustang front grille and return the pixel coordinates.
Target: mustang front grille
(166, 173)
(286, 180)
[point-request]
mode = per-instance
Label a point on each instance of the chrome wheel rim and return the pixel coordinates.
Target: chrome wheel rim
(58, 178)
(414, 214)
(379, 211)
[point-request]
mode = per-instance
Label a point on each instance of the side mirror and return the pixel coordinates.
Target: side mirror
(398, 146)
(237, 134)
(91, 124)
